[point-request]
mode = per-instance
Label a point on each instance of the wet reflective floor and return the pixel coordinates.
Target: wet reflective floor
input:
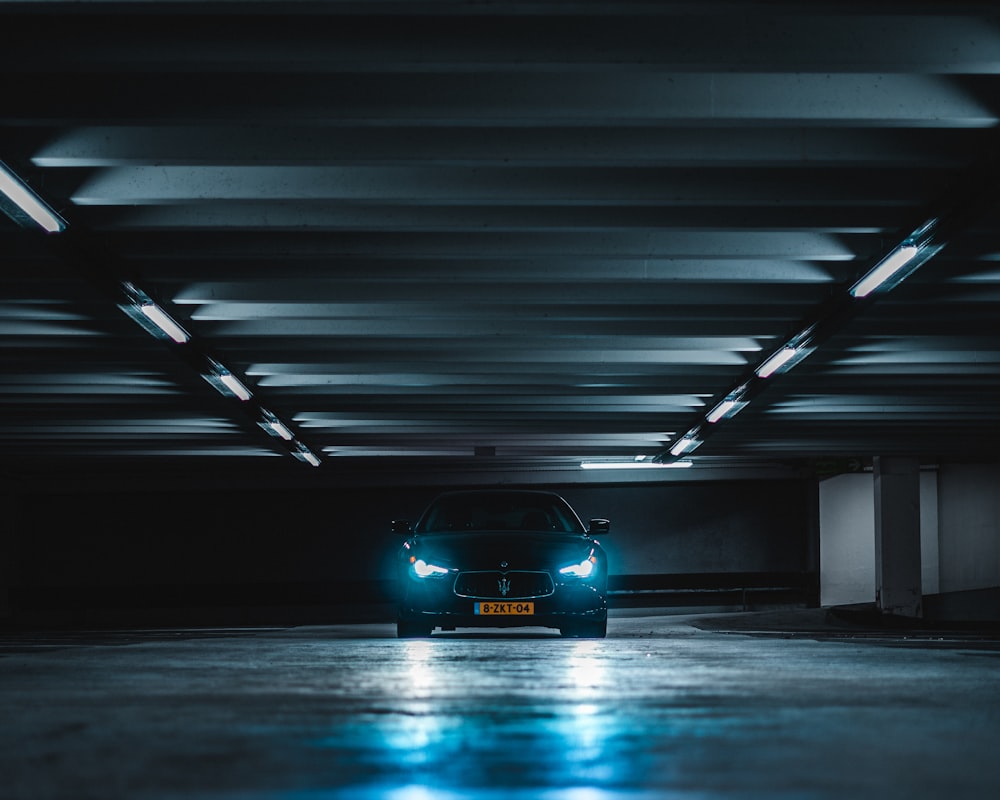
(664, 707)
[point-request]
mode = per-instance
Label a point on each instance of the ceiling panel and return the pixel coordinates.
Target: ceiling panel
(449, 242)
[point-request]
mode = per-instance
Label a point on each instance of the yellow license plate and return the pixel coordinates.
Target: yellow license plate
(505, 609)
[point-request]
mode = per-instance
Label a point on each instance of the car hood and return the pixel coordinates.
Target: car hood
(488, 550)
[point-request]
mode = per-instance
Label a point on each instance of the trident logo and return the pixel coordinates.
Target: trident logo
(504, 584)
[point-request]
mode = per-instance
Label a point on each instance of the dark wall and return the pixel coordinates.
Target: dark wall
(745, 526)
(321, 547)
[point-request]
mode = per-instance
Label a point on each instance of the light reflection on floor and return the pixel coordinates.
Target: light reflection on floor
(651, 712)
(509, 712)
(572, 720)
(481, 713)
(602, 720)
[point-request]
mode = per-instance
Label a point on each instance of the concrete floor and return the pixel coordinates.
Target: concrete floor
(666, 707)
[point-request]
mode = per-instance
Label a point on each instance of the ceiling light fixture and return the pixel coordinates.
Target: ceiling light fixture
(726, 409)
(636, 464)
(21, 204)
(900, 263)
(686, 444)
(303, 453)
(162, 320)
(154, 319)
(779, 359)
(225, 382)
(235, 386)
(280, 429)
(274, 426)
(729, 406)
(885, 270)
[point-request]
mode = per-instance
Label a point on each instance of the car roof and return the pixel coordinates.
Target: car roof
(500, 492)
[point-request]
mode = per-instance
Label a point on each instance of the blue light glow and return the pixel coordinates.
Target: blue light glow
(425, 570)
(581, 570)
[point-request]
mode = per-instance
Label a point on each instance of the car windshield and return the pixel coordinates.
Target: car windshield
(499, 511)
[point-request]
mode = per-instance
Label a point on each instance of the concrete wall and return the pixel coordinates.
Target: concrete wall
(745, 526)
(261, 548)
(970, 527)
(232, 536)
(119, 539)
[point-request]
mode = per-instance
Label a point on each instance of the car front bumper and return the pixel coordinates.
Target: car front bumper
(438, 606)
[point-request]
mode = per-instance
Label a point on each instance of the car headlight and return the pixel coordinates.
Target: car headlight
(581, 570)
(424, 570)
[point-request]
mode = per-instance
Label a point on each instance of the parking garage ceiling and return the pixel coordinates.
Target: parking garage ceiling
(489, 238)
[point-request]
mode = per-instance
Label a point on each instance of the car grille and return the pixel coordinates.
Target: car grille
(491, 584)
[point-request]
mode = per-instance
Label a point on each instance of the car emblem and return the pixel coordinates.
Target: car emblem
(504, 585)
(503, 565)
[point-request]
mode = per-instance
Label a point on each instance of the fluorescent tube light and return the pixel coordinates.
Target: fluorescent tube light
(885, 270)
(635, 465)
(280, 429)
(274, 426)
(27, 201)
(776, 361)
(225, 382)
(162, 320)
(686, 444)
(303, 453)
(235, 386)
(729, 407)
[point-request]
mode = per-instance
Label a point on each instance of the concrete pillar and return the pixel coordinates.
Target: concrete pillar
(897, 536)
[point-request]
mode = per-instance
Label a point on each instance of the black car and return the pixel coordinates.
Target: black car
(502, 558)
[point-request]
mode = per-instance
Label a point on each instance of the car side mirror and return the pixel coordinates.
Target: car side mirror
(402, 526)
(599, 526)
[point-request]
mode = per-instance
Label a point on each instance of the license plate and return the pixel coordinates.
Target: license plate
(505, 609)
